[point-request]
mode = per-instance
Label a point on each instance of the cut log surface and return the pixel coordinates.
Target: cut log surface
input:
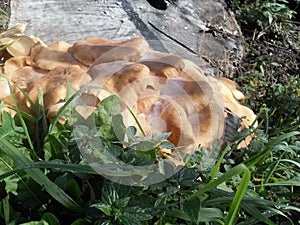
(201, 31)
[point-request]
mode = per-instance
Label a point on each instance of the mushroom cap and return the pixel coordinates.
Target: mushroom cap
(14, 64)
(163, 64)
(233, 88)
(200, 99)
(131, 51)
(4, 88)
(21, 46)
(166, 115)
(247, 116)
(17, 29)
(48, 58)
(54, 84)
(91, 49)
(21, 77)
(118, 77)
(60, 46)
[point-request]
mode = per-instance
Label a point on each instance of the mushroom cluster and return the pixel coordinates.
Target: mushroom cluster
(165, 92)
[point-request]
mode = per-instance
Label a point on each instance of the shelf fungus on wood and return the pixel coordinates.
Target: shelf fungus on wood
(165, 92)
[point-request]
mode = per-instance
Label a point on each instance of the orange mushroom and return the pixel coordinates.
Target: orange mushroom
(164, 91)
(99, 50)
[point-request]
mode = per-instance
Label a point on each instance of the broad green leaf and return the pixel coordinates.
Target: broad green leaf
(35, 223)
(210, 213)
(72, 188)
(122, 203)
(106, 209)
(107, 108)
(8, 126)
(171, 190)
(192, 209)
(187, 176)
(167, 145)
(109, 194)
(143, 146)
(140, 212)
(118, 126)
(80, 222)
(50, 219)
(129, 219)
(160, 137)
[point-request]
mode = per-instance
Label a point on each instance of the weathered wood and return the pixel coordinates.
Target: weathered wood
(202, 31)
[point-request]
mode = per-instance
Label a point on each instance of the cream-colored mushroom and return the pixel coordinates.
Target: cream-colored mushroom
(17, 29)
(247, 116)
(48, 58)
(54, 84)
(166, 93)
(21, 46)
(4, 88)
(14, 64)
(164, 65)
(91, 49)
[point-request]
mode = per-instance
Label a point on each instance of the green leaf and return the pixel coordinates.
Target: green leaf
(50, 219)
(35, 223)
(39, 177)
(281, 138)
(131, 132)
(143, 146)
(107, 108)
(109, 194)
(167, 145)
(106, 209)
(160, 137)
(80, 222)
(241, 168)
(211, 213)
(129, 219)
(141, 212)
(72, 188)
(122, 203)
(171, 190)
(106, 222)
(8, 126)
(6, 209)
(119, 128)
(192, 209)
(187, 176)
(256, 213)
(106, 132)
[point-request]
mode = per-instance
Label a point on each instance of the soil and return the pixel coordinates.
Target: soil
(276, 46)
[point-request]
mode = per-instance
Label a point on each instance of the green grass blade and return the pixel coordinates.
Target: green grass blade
(51, 165)
(226, 176)
(216, 168)
(241, 168)
(22, 121)
(291, 162)
(281, 138)
(39, 177)
(268, 148)
(282, 183)
(256, 213)
(239, 195)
